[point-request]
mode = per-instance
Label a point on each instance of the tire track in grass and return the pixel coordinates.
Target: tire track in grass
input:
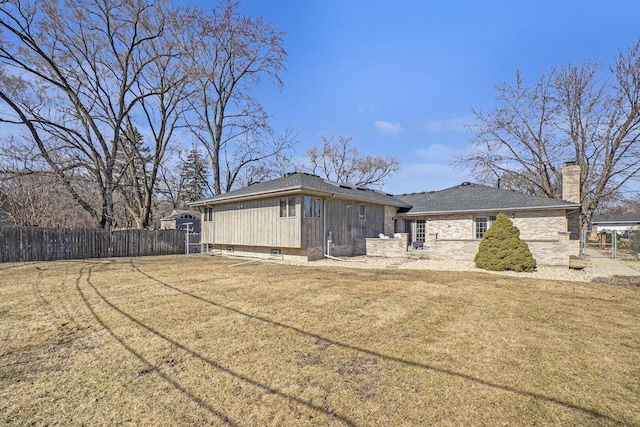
(193, 353)
(554, 400)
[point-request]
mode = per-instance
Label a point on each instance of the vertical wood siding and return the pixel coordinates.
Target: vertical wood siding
(312, 227)
(257, 223)
(206, 235)
(344, 222)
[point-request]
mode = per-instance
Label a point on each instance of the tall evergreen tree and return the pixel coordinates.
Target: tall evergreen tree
(133, 180)
(193, 177)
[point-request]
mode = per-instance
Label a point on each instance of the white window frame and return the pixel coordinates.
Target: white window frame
(421, 234)
(487, 220)
(289, 205)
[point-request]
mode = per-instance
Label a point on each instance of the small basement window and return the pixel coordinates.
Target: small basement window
(275, 252)
(229, 249)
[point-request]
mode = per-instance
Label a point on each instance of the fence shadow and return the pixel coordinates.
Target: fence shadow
(530, 394)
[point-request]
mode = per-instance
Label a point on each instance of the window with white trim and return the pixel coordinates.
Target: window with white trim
(362, 212)
(421, 230)
(482, 224)
(288, 207)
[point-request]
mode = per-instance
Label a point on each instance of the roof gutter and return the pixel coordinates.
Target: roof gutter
(522, 209)
(293, 190)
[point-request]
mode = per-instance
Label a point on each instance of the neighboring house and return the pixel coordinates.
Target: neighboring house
(180, 220)
(305, 215)
(619, 222)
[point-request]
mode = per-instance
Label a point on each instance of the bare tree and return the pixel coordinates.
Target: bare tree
(161, 112)
(621, 205)
(31, 193)
(231, 55)
(570, 114)
(340, 160)
(69, 74)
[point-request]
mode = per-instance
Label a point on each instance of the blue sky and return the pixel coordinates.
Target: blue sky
(401, 76)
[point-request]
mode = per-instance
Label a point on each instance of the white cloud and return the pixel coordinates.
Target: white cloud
(388, 129)
(456, 124)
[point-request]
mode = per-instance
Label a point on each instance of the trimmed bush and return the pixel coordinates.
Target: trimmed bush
(502, 249)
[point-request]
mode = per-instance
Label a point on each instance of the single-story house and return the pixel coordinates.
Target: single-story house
(618, 222)
(307, 216)
(451, 222)
(180, 220)
(297, 215)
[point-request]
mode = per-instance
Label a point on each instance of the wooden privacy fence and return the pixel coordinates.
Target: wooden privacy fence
(21, 244)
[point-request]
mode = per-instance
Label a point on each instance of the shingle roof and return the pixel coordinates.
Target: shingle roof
(467, 197)
(178, 213)
(302, 181)
(617, 218)
(474, 197)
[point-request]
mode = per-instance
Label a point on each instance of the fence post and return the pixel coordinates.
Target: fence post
(186, 242)
(614, 244)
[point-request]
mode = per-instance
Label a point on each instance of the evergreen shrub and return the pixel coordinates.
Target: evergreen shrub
(502, 249)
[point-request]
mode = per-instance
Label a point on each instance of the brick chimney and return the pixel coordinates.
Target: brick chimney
(571, 182)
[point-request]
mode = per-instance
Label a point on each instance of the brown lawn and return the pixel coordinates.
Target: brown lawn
(180, 340)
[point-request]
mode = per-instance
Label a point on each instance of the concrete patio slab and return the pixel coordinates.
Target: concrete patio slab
(603, 265)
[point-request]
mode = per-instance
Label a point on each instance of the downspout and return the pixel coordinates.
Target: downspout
(325, 246)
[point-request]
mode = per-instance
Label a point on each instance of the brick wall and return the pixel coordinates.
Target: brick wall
(389, 213)
(532, 225)
(549, 252)
(390, 248)
(571, 183)
(540, 225)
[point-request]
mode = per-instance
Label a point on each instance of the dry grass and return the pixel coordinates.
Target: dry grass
(190, 341)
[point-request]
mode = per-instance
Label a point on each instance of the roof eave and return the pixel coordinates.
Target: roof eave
(255, 195)
(293, 190)
(503, 209)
